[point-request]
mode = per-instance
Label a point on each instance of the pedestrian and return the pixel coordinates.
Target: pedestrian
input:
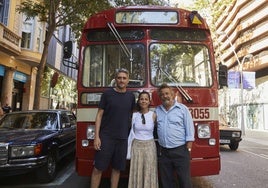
(1, 111)
(6, 108)
(113, 120)
(175, 136)
(143, 165)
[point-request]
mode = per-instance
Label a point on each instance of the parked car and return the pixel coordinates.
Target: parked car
(35, 141)
(230, 136)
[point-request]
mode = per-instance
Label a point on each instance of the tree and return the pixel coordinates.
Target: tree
(55, 14)
(212, 10)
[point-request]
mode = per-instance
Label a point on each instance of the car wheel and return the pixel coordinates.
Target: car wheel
(48, 172)
(234, 145)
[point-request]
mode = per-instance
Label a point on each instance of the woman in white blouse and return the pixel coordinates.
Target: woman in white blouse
(143, 166)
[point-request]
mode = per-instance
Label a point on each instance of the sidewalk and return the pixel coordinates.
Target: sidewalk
(260, 137)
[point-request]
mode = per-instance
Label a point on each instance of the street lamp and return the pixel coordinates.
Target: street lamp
(231, 44)
(242, 93)
(240, 64)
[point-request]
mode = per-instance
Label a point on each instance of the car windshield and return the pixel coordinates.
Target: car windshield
(36, 120)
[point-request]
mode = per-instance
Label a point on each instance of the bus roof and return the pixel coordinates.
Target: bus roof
(183, 18)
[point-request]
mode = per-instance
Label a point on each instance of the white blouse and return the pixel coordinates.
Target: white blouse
(143, 131)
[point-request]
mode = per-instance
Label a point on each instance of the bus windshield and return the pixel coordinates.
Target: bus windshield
(186, 65)
(180, 64)
(101, 62)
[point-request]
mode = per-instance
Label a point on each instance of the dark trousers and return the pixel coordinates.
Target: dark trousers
(174, 160)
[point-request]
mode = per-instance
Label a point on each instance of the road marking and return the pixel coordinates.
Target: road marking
(69, 170)
(264, 155)
(259, 155)
(60, 179)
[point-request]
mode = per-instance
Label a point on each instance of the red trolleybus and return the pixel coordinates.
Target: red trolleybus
(157, 45)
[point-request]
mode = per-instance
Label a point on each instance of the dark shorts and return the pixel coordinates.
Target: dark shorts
(113, 151)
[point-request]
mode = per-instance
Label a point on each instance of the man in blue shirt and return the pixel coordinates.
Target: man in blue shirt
(175, 136)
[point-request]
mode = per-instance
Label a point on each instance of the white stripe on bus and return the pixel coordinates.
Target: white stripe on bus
(198, 114)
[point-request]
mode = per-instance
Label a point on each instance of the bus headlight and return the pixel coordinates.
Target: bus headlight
(203, 131)
(91, 132)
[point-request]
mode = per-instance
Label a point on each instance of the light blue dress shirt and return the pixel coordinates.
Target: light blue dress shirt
(175, 126)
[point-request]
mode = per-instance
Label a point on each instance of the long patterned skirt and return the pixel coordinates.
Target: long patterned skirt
(143, 165)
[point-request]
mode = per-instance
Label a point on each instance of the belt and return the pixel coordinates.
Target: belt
(163, 148)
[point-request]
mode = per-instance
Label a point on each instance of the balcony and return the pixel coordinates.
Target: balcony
(9, 41)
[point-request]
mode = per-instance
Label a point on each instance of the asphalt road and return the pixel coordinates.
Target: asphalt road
(245, 168)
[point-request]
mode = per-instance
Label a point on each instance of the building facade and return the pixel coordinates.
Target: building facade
(21, 45)
(243, 38)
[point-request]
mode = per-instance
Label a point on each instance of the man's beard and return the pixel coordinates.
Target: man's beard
(166, 103)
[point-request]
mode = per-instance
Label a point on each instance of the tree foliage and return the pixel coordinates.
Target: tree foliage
(212, 10)
(64, 90)
(58, 13)
(63, 12)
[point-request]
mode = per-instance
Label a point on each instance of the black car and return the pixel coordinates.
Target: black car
(36, 140)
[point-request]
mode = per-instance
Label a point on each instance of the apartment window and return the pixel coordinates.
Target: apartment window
(4, 8)
(27, 30)
(26, 40)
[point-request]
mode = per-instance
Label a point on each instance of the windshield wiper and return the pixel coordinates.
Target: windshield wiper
(187, 97)
(120, 41)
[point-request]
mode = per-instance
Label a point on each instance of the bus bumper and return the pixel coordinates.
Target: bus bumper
(205, 167)
(199, 167)
(84, 167)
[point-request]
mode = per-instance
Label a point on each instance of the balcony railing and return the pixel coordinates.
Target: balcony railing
(9, 41)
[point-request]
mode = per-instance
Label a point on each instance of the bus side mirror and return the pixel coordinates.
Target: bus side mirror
(223, 75)
(67, 49)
